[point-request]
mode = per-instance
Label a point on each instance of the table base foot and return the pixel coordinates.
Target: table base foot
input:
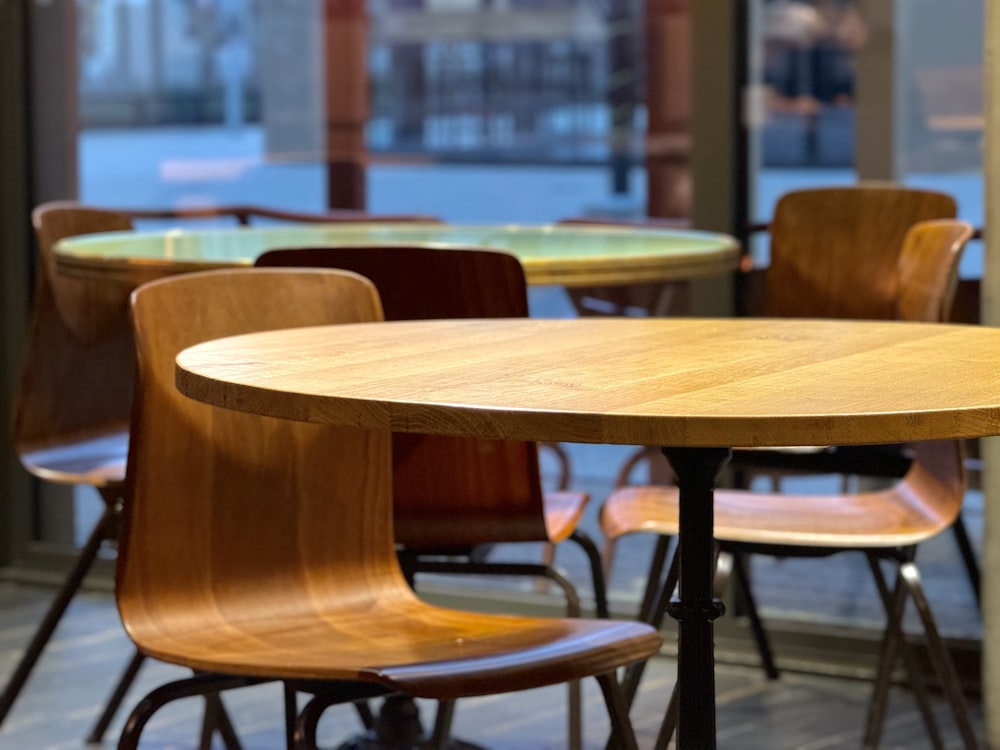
(398, 727)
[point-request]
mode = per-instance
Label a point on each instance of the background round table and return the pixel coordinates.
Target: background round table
(571, 256)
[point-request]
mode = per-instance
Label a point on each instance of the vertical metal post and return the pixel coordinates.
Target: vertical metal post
(696, 607)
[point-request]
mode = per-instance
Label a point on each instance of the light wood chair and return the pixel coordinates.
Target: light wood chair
(836, 252)
(71, 412)
(884, 524)
(72, 408)
(454, 498)
(260, 548)
(72, 419)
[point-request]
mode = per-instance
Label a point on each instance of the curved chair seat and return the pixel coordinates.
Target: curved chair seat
(870, 520)
(98, 461)
(401, 643)
(563, 511)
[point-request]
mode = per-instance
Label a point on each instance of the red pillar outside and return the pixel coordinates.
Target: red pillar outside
(345, 45)
(668, 104)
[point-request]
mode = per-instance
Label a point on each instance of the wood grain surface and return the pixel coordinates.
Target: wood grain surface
(695, 382)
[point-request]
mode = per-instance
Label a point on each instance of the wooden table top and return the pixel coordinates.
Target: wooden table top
(676, 382)
(566, 255)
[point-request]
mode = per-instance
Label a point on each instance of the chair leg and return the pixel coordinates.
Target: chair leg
(658, 607)
(756, 624)
(969, 560)
(669, 725)
(291, 701)
(441, 734)
(117, 696)
(943, 664)
(198, 685)
(622, 734)
(102, 530)
(548, 560)
(365, 714)
(653, 578)
(894, 641)
(214, 721)
(308, 721)
(596, 572)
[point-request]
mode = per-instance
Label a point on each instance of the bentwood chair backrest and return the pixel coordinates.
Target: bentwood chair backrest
(78, 369)
(834, 251)
(232, 515)
(928, 269)
(450, 493)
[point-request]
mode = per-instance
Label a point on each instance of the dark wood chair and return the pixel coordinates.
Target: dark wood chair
(256, 548)
(882, 524)
(454, 498)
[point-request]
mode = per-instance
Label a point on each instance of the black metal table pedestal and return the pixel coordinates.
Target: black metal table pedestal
(696, 607)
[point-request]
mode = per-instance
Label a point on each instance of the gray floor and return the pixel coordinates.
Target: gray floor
(67, 690)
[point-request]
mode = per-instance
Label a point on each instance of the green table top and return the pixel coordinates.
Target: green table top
(574, 256)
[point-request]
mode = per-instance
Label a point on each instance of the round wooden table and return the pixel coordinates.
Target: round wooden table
(571, 256)
(696, 386)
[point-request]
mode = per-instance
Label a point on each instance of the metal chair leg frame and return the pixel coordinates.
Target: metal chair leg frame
(572, 610)
(365, 714)
(669, 725)
(114, 701)
(596, 572)
(216, 721)
(756, 624)
(308, 721)
(658, 611)
(945, 668)
(622, 735)
(969, 560)
(291, 703)
(891, 647)
(170, 692)
(102, 531)
(441, 734)
(649, 596)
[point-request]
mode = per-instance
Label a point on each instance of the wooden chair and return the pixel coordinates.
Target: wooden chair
(261, 548)
(454, 495)
(71, 419)
(71, 413)
(454, 498)
(883, 524)
(836, 252)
